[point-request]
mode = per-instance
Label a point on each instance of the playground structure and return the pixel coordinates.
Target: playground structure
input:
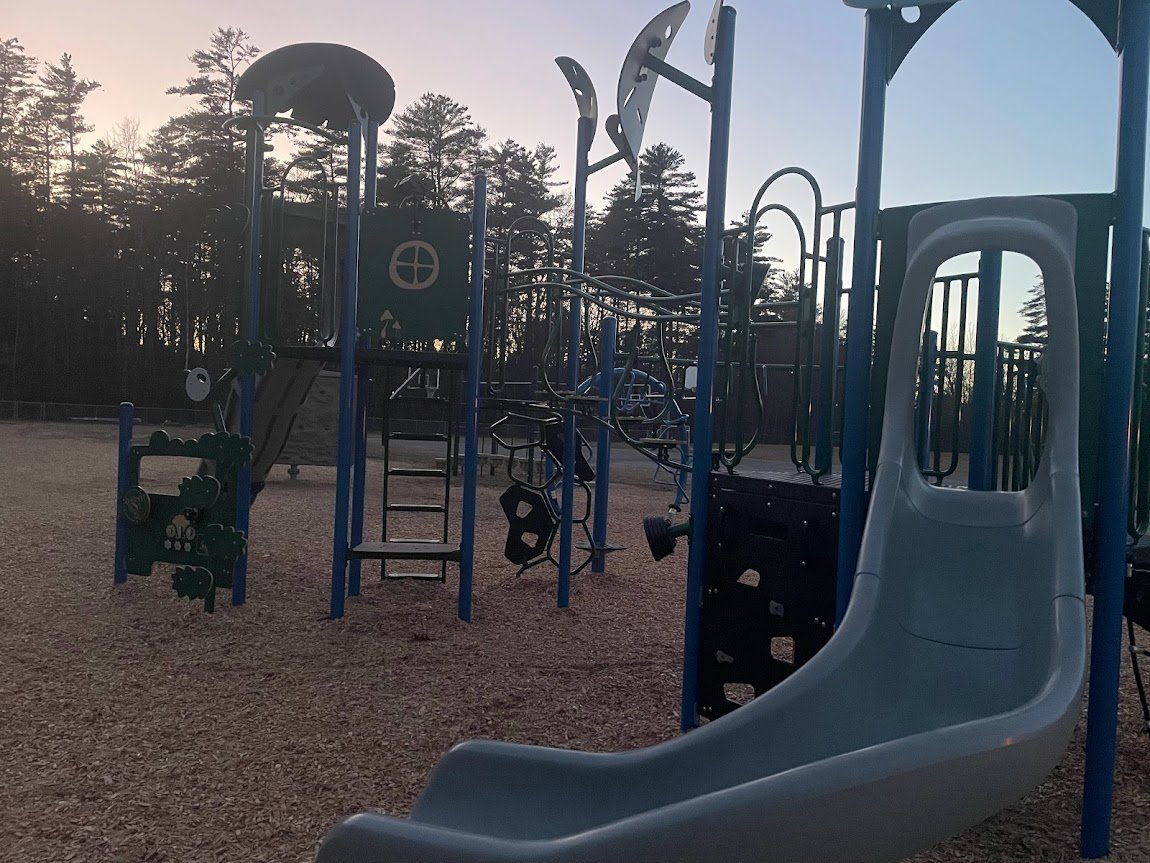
(1023, 437)
(414, 266)
(817, 510)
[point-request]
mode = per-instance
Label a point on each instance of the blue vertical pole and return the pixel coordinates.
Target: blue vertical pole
(981, 475)
(829, 355)
(370, 186)
(347, 340)
(251, 331)
(471, 411)
(1114, 478)
(127, 415)
(371, 168)
(574, 339)
(608, 338)
(359, 475)
(722, 85)
(926, 378)
(860, 308)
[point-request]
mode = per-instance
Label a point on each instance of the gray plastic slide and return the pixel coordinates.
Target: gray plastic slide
(280, 393)
(949, 691)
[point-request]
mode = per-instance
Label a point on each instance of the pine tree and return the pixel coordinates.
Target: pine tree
(17, 92)
(519, 182)
(1033, 314)
(434, 148)
(659, 238)
(215, 157)
(64, 95)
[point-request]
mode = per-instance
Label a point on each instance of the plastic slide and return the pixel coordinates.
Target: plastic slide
(280, 393)
(950, 689)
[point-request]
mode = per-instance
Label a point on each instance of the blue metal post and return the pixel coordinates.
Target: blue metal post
(359, 475)
(251, 330)
(371, 168)
(703, 437)
(471, 410)
(574, 339)
(926, 378)
(347, 340)
(829, 355)
(981, 474)
(1114, 479)
(608, 338)
(860, 308)
(127, 417)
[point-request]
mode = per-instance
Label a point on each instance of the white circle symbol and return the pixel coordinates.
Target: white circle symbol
(414, 265)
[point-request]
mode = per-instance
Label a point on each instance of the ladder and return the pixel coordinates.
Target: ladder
(435, 548)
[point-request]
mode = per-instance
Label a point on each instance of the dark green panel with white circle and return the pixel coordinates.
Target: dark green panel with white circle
(413, 282)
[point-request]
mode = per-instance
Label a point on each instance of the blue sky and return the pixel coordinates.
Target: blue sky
(1001, 97)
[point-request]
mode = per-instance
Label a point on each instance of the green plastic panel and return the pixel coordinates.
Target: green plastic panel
(1095, 216)
(413, 283)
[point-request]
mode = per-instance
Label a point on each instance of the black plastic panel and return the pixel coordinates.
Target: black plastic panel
(768, 587)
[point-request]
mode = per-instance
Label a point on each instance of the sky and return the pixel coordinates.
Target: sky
(1002, 97)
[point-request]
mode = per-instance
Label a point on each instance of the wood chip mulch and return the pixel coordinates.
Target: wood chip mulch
(137, 728)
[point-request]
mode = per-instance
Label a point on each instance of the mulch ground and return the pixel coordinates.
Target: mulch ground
(137, 728)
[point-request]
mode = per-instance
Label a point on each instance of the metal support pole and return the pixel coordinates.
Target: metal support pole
(574, 338)
(251, 331)
(860, 309)
(371, 169)
(829, 355)
(708, 349)
(981, 474)
(347, 340)
(359, 475)
(471, 410)
(127, 418)
(1114, 478)
(926, 378)
(608, 338)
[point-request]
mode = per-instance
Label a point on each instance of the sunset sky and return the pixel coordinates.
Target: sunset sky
(1012, 97)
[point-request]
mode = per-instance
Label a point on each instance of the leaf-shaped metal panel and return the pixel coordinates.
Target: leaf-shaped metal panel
(583, 90)
(637, 85)
(712, 34)
(615, 133)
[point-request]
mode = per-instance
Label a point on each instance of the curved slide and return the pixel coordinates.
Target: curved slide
(950, 689)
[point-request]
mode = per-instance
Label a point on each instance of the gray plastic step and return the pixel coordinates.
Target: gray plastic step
(407, 550)
(418, 471)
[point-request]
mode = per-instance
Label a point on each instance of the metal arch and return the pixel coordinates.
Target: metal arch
(1104, 14)
(583, 90)
(636, 86)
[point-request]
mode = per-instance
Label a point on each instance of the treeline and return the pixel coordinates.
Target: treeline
(121, 255)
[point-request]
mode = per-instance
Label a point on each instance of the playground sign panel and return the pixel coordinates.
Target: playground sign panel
(413, 274)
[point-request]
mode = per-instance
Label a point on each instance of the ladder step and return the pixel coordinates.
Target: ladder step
(417, 471)
(416, 507)
(406, 550)
(434, 436)
(415, 576)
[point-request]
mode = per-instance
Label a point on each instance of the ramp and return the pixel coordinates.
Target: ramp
(950, 689)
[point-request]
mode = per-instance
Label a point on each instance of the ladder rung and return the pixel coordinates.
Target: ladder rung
(416, 507)
(434, 436)
(416, 576)
(406, 550)
(417, 471)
